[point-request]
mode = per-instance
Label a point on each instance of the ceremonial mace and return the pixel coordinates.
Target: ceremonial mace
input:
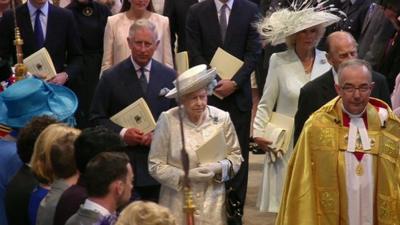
(188, 206)
(20, 68)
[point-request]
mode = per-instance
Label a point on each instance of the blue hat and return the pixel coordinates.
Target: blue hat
(33, 97)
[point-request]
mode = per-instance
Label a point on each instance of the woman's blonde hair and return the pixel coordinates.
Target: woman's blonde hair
(40, 161)
(291, 40)
(145, 213)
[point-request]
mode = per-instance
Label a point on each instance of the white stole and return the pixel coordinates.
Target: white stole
(359, 186)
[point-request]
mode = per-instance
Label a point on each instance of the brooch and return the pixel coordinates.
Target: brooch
(87, 11)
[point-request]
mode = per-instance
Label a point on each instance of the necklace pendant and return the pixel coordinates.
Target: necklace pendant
(359, 170)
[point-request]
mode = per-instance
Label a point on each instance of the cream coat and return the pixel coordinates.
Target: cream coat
(116, 46)
(285, 78)
(166, 167)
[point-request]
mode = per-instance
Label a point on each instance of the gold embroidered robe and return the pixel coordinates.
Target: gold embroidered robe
(315, 188)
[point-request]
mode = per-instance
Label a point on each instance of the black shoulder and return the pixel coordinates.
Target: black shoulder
(166, 71)
(378, 77)
(104, 10)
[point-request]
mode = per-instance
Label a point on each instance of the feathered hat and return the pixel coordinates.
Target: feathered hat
(302, 14)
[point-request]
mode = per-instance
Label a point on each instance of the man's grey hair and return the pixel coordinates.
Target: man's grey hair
(143, 24)
(352, 64)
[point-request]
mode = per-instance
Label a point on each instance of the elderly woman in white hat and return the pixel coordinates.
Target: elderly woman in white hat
(301, 29)
(210, 166)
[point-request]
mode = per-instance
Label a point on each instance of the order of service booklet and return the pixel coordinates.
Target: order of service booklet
(40, 63)
(136, 115)
(226, 64)
(279, 131)
(214, 149)
(181, 62)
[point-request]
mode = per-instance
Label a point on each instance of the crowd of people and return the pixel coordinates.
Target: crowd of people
(330, 66)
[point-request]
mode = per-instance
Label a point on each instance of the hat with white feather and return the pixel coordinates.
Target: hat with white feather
(279, 25)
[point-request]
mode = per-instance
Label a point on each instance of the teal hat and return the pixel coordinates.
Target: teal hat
(33, 97)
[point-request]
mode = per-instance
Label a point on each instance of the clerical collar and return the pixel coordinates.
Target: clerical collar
(357, 131)
(351, 115)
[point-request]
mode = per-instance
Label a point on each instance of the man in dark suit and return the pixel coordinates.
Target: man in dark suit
(356, 10)
(176, 11)
(108, 178)
(138, 76)
(376, 32)
(228, 24)
(341, 47)
(56, 31)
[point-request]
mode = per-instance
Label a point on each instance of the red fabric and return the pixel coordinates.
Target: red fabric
(377, 104)
(346, 123)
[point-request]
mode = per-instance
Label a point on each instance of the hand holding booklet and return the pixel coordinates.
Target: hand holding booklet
(136, 115)
(214, 149)
(41, 64)
(226, 64)
(279, 131)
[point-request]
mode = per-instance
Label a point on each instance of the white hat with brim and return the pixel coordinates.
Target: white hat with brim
(192, 80)
(284, 23)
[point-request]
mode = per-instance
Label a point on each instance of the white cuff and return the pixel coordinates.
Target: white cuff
(122, 132)
(226, 167)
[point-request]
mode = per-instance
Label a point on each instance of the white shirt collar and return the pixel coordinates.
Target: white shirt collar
(219, 4)
(32, 9)
(137, 67)
(93, 206)
(335, 76)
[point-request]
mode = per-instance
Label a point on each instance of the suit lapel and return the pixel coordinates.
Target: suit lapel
(130, 81)
(328, 86)
(368, 17)
(25, 25)
(234, 20)
(320, 65)
(211, 17)
(51, 23)
(154, 82)
(293, 64)
(353, 7)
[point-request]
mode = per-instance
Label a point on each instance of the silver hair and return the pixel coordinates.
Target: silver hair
(291, 40)
(143, 24)
(352, 64)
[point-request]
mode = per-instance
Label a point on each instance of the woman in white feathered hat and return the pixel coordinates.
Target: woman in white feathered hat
(301, 28)
(210, 165)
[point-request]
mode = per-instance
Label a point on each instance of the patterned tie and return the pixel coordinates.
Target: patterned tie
(143, 80)
(223, 24)
(38, 30)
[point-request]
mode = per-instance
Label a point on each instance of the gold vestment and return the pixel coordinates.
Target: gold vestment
(315, 188)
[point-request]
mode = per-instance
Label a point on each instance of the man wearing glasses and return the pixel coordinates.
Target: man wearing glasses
(341, 47)
(346, 164)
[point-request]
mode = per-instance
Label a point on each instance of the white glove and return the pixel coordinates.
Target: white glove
(201, 174)
(215, 167)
